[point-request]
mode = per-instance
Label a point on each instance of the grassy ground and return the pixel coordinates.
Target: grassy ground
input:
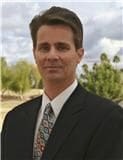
(11, 100)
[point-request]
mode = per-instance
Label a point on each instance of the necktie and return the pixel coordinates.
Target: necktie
(44, 131)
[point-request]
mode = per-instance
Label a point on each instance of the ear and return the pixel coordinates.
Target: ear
(80, 53)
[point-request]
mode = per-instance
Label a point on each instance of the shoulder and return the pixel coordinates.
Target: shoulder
(28, 105)
(100, 105)
(22, 113)
(102, 114)
(100, 102)
(26, 108)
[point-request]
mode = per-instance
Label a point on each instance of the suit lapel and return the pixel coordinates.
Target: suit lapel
(33, 109)
(65, 123)
(30, 115)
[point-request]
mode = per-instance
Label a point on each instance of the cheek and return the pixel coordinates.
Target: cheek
(70, 64)
(73, 60)
(39, 59)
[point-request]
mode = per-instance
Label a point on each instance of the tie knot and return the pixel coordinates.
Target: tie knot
(48, 109)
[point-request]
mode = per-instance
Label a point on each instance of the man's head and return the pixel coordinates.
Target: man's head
(57, 45)
(58, 16)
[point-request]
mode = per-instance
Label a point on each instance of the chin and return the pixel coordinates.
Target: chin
(54, 78)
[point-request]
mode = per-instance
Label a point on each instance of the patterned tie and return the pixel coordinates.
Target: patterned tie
(44, 131)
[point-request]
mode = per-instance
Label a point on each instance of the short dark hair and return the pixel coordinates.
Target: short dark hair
(57, 16)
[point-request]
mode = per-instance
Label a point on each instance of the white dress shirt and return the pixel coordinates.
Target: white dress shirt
(57, 103)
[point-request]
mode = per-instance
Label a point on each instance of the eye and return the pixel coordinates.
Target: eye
(44, 48)
(62, 47)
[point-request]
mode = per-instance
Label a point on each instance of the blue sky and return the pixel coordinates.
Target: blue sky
(102, 21)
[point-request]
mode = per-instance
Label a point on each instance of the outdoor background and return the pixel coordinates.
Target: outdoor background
(101, 69)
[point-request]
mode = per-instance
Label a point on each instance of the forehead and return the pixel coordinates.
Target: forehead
(54, 32)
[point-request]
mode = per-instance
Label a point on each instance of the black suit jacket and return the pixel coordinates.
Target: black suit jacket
(88, 128)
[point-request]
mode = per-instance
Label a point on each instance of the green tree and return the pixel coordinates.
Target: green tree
(103, 80)
(104, 58)
(21, 81)
(35, 77)
(116, 59)
(19, 77)
(6, 75)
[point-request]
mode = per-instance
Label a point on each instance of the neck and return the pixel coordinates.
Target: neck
(53, 89)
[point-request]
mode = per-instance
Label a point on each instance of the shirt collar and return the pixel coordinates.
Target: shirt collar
(58, 102)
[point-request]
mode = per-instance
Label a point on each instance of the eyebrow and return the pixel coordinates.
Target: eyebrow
(57, 43)
(62, 44)
(42, 44)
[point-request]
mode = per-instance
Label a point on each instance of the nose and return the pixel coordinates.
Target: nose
(53, 54)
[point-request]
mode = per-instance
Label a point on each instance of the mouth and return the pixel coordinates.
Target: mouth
(52, 67)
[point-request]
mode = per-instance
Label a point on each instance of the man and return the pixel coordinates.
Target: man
(79, 125)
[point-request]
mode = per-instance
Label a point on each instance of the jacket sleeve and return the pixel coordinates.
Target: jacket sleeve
(3, 138)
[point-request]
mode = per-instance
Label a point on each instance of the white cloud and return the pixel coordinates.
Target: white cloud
(102, 26)
(111, 47)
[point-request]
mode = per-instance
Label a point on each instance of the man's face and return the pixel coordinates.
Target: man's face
(55, 53)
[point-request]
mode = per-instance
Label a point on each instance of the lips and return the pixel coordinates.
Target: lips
(52, 67)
